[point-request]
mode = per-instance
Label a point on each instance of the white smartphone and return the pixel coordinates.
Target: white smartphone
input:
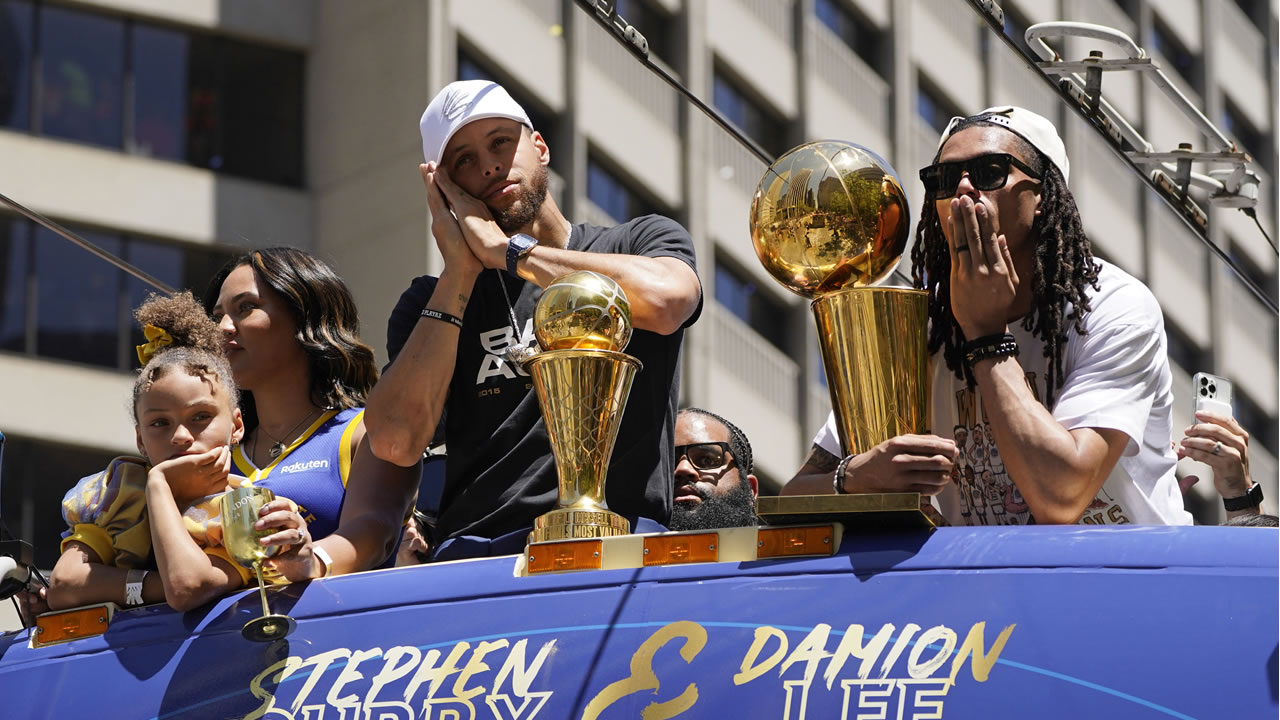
(1212, 394)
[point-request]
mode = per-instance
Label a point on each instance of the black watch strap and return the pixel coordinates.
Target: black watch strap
(1251, 499)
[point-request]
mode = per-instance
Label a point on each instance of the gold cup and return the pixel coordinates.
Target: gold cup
(582, 322)
(828, 221)
(239, 514)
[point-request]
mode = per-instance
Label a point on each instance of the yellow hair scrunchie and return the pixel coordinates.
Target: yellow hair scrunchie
(156, 338)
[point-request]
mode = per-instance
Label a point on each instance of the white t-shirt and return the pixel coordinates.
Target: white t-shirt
(1116, 376)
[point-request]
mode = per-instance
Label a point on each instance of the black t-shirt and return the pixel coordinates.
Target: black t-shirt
(500, 473)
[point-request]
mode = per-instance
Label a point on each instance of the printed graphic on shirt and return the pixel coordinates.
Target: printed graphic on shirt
(495, 363)
(987, 494)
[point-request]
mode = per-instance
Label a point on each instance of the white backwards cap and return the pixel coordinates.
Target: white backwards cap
(459, 103)
(1031, 127)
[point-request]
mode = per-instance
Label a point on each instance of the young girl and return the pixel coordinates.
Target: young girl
(148, 530)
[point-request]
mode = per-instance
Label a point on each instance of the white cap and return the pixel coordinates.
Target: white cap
(1031, 127)
(459, 103)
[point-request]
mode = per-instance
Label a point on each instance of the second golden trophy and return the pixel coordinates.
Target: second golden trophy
(829, 221)
(582, 377)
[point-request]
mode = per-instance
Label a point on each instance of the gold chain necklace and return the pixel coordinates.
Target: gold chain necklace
(278, 446)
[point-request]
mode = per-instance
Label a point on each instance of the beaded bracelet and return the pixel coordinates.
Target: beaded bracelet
(437, 315)
(837, 481)
(990, 346)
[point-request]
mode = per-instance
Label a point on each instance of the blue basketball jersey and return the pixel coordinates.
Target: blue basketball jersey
(312, 471)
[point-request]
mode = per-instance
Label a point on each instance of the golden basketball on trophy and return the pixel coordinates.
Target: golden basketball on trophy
(828, 221)
(583, 310)
(582, 377)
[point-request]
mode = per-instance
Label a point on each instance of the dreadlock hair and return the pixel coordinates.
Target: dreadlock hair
(342, 368)
(738, 443)
(196, 347)
(1064, 269)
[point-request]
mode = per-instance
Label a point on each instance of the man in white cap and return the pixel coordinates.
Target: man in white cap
(503, 239)
(1060, 358)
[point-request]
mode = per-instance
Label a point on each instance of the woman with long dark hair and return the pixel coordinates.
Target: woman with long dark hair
(291, 336)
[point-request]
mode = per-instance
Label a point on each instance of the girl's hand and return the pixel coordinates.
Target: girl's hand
(294, 560)
(191, 477)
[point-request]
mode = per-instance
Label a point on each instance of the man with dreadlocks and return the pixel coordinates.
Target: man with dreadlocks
(714, 487)
(1057, 357)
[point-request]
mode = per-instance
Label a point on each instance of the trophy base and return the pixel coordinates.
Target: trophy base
(268, 628)
(858, 512)
(578, 524)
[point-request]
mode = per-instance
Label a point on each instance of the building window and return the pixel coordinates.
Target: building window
(1240, 129)
(14, 266)
(859, 34)
(1183, 61)
(740, 295)
(1262, 429)
(110, 81)
(94, 324)
(1249, 267)
(1015, 28)
(759, 123)
(933, 107)
(652, 22)
(37, 474)
(17, 37)
(1182, 351)
(612, 194)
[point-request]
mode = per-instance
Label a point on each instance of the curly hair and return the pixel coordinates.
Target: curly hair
(738, 443)
(1064, 270)
(342, 368)
(196, 346)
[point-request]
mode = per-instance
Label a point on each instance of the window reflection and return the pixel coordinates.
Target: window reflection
(77, 299)
(13, 293)
(15, 64)
(81, 79)
(160, 92)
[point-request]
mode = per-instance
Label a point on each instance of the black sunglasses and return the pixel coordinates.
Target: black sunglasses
(986, 172)
(706, 455)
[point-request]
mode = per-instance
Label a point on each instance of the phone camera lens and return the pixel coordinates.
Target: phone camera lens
(1204, 381)
(1203, 392)
(1213, 389)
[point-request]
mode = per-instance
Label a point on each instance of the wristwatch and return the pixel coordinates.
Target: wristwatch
(518, 246)
(133, 587)
(1253, 498)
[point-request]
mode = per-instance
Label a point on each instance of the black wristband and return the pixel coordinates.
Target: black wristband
(837, 480)
(437, 315)
(1251, 499)
(990, 346)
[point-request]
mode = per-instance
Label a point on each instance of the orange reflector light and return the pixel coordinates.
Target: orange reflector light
(558, 556)
(70, 625)
(676, 549)
(784, 542)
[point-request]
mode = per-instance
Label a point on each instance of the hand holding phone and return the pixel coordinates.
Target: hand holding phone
(1219, 446)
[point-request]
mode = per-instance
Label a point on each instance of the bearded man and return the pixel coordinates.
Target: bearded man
(503, 240)
(714, 484)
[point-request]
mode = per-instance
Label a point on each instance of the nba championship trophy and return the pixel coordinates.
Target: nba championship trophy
(582, 322)
(829, 219)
